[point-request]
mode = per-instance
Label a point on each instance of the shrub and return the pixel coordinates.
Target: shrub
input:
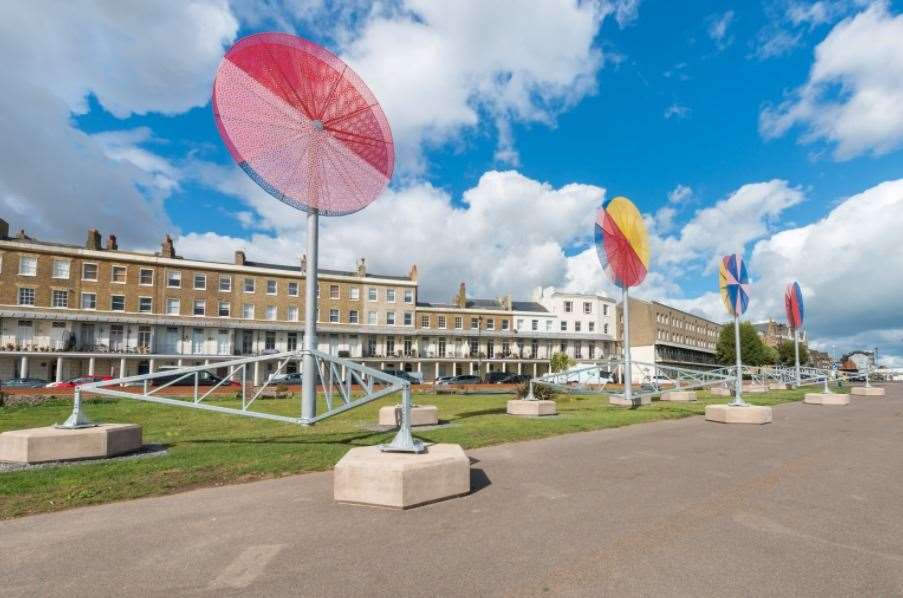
(540, 391)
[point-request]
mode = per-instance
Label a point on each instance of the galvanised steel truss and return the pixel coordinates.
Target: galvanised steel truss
(339, 379)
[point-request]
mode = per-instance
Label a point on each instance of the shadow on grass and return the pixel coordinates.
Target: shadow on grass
(335, 439)
(492, 411)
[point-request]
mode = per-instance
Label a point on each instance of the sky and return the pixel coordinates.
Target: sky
(770, 128)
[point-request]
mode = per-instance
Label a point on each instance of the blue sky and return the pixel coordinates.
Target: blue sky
(731, 125)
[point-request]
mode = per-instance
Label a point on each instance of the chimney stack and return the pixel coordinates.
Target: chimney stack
(460, 299)
(413, 273)
(112, 245)
(362, 268)
(167, 249)
(240, 258)
(304, 263)
(93, 241)
(4, 229)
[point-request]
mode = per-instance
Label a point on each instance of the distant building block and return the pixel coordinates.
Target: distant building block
(421, 415)
(728, 414)
(40, 445)
(521, 407)
(368, 476)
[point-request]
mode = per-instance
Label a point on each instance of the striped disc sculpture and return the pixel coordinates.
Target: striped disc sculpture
(733, 280)
(793, 304)
(622, 245)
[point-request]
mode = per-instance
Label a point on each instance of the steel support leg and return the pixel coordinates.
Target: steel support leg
(404, 441)
(77, 419)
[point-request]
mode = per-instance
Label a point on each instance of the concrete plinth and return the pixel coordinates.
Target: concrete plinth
(867, 391)
(755, 388)
(721, 392)
(521, 407)
(679, 395)
(39, 445)
(727, 414)
(620, 401)
(421, 415)
(777, 386)
(826, 398)
(368, 476)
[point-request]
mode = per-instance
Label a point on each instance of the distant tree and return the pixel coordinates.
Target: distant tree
(785, 350)
(752, 350)
(560, 362)
(772, 357)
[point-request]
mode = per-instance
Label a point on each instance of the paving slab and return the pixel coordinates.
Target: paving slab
(806, 506)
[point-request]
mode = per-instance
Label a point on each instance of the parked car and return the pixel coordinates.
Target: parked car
(403, 375)
(73, 382)
(25, 383)
(497, 377)
(465, 379)
(516, 379)
(205, 378)
(290, 378)
(442, 380)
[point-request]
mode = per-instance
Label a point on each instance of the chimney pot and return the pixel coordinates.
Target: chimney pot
(240, 258)
(93, 241)
(112, 244)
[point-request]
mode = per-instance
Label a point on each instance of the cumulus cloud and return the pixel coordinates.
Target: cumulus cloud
(677, 111)
(853, 98)
(718, 29)
(790, 21)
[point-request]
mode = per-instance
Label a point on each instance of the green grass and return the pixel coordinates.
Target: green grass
(209, 449)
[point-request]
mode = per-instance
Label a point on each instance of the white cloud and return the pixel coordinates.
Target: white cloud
(853, 98)
(718, 29)
(676, 111)
(680, 194)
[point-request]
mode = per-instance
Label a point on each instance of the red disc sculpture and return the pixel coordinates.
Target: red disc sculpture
(302, 124)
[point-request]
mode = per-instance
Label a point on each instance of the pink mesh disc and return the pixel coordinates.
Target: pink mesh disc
(302, 124)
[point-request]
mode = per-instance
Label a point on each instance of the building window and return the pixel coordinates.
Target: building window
(504, 324)
(200, 282)
(247, 311)
(334, 316)
(568, 307)
(424, 321)
(564, 326)
(199, 307)
(442, 344)
(352, 316)
(291, 341)
(409, 295)
(59, 299)
(271, 312)
(390, 295)
(89, 271)
(225, 284)
(117, 274)
(269, 341)
(605, 310)
(89, 301)
(576, 326)
(146, 277)
(318, 290)
(144, 337)
(354, 293)
(117, 303)
(534, 325)
(26, 296)
(293, 289)
(408, 318)
(293, 313)
(390, 346)
(390, 318)
(490, 324)
(371, 318)
(592, 326)
(145, 304)
(459, 322)
(61, 269)
(548, 325)
(249, 285)
(442, 322)
(587, 307)
(371, 294)
(605, 329)
(333, 291)
(474, 323)
(28, 265)
(272, 287)
(173, 307)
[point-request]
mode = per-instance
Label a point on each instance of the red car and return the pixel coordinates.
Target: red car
(73, 382)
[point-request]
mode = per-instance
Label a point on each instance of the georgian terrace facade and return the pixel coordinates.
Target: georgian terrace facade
(70, 310)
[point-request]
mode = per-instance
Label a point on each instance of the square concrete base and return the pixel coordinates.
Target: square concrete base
(39, 445)
(679, 395)
(421, 415)
(755, 388)
(720, 392)
(726, 414)
(826, 398)
(867, 391)
(620, 401)
(777, 386)
(368, 476)
(521, 407)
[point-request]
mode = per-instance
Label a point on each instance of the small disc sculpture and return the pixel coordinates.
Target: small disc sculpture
(622, 245)
(793, 304)
(733, 279)
(306, 129)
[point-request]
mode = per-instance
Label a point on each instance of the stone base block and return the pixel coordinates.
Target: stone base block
(40, 445)
(727, 414)
(421, 415)
(620, 401)
(679, 395)
(826, 398)
(720, 392)
(521, 407)
(368, 476)
(867, 391)
(777, 386)
(755, 388)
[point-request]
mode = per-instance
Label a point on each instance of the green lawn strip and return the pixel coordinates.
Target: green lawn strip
(209, 449)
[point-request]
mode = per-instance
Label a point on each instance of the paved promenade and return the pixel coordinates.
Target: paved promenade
(811, 505)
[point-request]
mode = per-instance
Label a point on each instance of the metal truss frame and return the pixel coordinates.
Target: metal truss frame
(337, 376)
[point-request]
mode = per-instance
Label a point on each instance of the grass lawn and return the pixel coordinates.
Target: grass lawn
(209, 449)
